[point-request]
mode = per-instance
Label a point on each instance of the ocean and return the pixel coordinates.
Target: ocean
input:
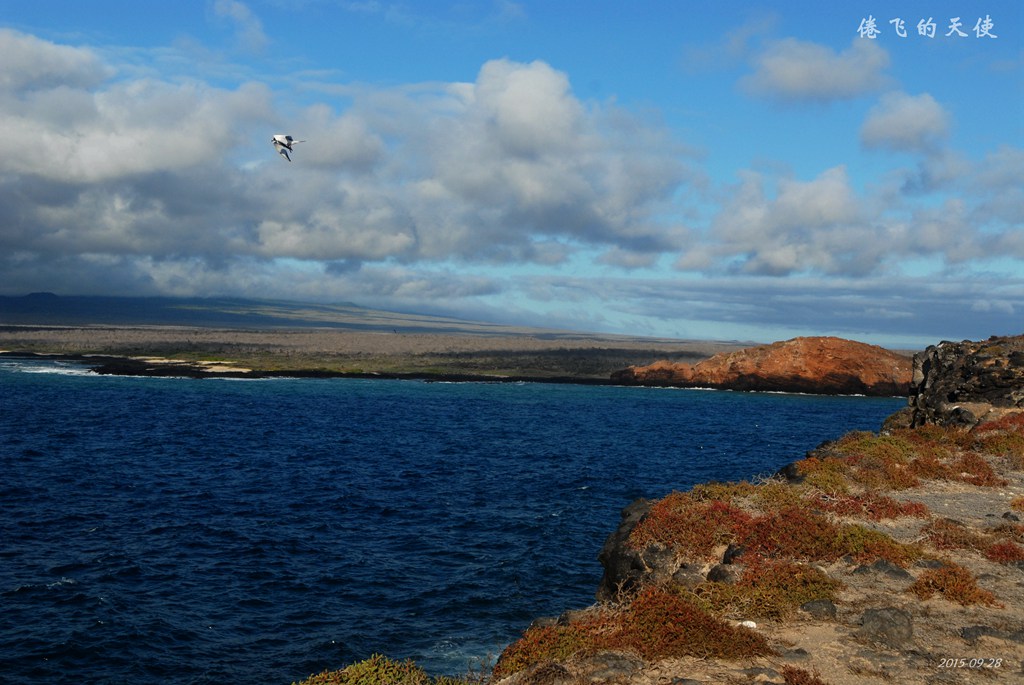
(206, 531)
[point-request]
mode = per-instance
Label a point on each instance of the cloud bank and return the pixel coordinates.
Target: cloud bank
(468, 196)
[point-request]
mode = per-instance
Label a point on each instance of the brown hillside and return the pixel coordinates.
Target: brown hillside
(819, 365)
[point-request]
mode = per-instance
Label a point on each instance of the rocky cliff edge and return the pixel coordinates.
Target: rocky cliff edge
(965, 383)
(818, 365)
(895, 557)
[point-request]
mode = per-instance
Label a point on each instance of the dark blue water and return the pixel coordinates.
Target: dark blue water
(182, 531)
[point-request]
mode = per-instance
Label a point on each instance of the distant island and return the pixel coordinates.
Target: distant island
(237, 337)
(820, 365)
(204, 338)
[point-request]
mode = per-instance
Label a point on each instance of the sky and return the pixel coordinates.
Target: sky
(719, 171)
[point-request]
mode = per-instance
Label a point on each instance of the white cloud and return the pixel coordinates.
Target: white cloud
(528, 109)
(85, 129)
(130, 128)
(809, 226)
(515, 157)
(336, 142)
(795, 70)
(996, 179)
(823, 226)
(734, 46)
(248, 26)
(31, 63)
(509, 10)
(944, 230)
(939, 169)
(147, 184)
(509, 168)
(908, 123)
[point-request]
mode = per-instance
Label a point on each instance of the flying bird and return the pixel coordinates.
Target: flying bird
(283, 144)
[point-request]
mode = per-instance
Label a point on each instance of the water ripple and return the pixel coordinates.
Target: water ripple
(181, 531)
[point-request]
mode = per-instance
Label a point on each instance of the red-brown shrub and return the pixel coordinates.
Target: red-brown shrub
(1005, 552)
(795, 533)
(954, 583)
(693, 526)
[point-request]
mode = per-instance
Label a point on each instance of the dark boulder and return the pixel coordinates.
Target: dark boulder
(889, 625)
(821, 609)
(623, 566)
(965, 383)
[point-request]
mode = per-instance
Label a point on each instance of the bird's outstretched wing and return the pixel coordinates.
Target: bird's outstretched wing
(283, 144)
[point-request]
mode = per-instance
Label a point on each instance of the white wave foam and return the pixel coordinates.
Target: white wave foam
(47, 367)
(61, 582)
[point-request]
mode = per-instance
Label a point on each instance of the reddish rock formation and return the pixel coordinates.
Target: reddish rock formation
(819, 365)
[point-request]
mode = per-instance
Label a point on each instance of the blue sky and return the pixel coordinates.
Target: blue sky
(728, 170)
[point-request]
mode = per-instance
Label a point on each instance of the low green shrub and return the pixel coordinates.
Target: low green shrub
(380, 670)
(770, 589)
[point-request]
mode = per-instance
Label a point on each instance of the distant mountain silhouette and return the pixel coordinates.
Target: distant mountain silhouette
(49, 309)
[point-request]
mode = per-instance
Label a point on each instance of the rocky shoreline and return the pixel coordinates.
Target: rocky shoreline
(175, 368)
(878, 558)
(821, 365)
(889, 557)
(199, 352)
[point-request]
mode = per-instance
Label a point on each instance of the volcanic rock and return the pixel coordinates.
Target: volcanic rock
(821, 609)
(624, 566)
(817, 365)
(968, 382)
(889, 625)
